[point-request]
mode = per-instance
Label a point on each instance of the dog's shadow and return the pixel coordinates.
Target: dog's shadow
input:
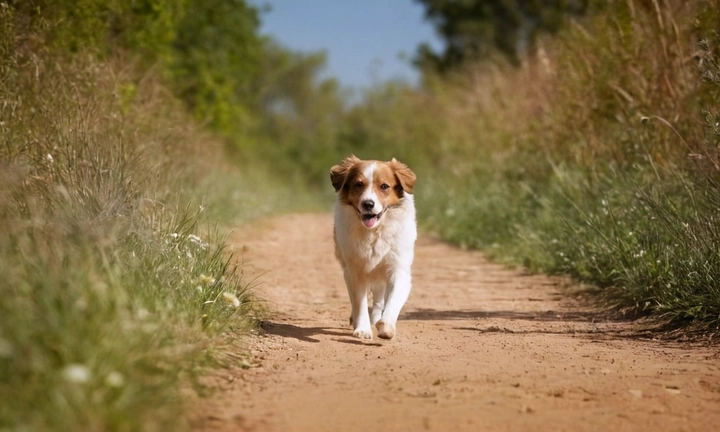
(306, 334)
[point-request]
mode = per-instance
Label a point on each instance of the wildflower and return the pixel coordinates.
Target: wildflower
(114, 379)
(197, 240)
(231, 298)
(49, 157)
(208, 280)
(142, 314)
(76, 373)
(6, 349)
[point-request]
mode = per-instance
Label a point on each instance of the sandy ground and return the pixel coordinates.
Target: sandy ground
(479, 347)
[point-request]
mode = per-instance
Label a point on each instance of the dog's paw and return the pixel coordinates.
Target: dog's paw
(385, 330)
(363, 334)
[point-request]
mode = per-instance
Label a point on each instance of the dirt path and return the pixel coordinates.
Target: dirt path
(479, 347)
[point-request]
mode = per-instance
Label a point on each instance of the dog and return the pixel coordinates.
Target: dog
(374, 233)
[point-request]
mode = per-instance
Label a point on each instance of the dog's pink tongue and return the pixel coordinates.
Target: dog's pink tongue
(370, 222)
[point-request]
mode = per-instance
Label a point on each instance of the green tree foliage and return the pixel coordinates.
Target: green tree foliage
(300, 113)
(209, 49)
(215, 58)
(147, 26)
(474, 29)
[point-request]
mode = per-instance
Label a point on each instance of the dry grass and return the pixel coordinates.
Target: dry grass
(116, 290)
(597, 158)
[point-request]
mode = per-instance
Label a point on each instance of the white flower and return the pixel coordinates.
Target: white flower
(207, 280)
(49, 157)
(114, 379)
(6, 349)
(197, 240)
(231, 298)
(142, 314)
(76, 373)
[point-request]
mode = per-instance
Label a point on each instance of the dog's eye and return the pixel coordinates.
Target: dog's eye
(384, 186)
(359, 185)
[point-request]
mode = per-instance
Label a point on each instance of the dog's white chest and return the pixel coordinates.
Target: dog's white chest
(375, 251)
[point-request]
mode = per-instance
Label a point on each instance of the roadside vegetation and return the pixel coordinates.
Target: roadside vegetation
(133, 134)
(117, 291)
(597, 158)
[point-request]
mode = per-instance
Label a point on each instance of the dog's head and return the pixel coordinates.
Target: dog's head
(371, 187)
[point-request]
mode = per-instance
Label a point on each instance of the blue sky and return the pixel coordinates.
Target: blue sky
(365, 40)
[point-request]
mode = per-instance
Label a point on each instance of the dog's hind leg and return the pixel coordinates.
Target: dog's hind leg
(349, 285)
(378, 303)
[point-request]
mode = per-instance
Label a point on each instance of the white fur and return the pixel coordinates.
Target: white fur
(376, 260)
(369, 193)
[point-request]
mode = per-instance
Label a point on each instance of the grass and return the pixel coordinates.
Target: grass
(604, 169)
(117, 290)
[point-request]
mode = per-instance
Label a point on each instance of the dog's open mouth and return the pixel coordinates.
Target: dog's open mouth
(371, 219)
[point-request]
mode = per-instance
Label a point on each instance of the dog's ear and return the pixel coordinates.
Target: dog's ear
(339, 173)
(405, 176)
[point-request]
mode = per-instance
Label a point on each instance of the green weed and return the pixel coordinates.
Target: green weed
(115, 294)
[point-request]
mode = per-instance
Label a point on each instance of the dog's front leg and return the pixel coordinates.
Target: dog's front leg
(397, 293)
(359, 317)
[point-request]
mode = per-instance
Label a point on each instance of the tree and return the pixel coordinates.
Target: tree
(215, 59)
(474, 29)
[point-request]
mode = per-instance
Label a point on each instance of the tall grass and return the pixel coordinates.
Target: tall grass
(116, 290)
(597, 159)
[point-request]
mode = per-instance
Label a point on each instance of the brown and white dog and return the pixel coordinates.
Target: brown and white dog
(375, 234)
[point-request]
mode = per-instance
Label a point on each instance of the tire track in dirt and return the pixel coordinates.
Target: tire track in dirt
(479, 347)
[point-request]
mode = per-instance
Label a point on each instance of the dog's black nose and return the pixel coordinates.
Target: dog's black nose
(368, 204)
